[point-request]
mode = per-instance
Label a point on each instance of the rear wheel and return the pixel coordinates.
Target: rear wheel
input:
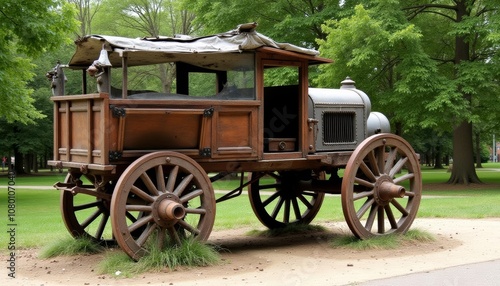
(85, 209)
(278, 199)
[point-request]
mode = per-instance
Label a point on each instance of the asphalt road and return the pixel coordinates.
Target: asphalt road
(477, 274)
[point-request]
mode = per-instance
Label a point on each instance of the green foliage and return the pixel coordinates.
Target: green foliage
(28, 29)
(71, 246)
(191, 253)
(297, 22)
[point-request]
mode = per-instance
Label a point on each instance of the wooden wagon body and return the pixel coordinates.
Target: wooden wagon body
(144, 158)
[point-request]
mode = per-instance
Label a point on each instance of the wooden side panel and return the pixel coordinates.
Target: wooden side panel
(157, 131)
(235, 133)
(79, 132)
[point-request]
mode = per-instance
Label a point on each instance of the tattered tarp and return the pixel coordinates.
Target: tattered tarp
(164, 49)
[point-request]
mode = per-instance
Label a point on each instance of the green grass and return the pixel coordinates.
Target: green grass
(191, 253)
(70, 246)
(390, 241)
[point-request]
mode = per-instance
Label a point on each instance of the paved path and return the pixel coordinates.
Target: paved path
(477, 274)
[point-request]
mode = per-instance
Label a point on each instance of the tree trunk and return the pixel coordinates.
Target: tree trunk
(477, 146)
(463, 171)
(18, 162)
(438, 157)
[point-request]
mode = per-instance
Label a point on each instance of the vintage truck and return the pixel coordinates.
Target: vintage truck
(141, 163)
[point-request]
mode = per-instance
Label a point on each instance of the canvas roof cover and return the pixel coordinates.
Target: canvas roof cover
(223, 49)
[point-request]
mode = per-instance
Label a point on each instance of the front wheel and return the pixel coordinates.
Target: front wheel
(381, 187)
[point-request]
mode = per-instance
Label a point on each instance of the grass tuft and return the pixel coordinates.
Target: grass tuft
(289, 229)
(390, 241)
(71, 246)
(191, 253)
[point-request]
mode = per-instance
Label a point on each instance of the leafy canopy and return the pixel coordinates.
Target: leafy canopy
(28, 29)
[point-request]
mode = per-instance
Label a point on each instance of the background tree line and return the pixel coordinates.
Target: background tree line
(430, 66)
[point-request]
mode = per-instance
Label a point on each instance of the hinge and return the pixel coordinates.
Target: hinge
(117, 111)
(206, 152)
(209, 112)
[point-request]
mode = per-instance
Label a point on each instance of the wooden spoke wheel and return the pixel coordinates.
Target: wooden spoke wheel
(160, 199)
(278, 199)
(381, 187)
(86, 212)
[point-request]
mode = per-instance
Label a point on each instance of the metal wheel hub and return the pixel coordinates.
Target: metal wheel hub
(167, 210)
(385, 190)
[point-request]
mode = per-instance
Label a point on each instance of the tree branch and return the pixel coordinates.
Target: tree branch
(413, 11)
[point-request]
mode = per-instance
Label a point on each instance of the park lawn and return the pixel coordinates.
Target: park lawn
(38, 218)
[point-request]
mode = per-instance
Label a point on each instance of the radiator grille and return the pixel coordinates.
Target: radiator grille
(339, 127)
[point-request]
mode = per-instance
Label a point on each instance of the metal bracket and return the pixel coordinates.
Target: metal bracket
(209, 112)
(115, 155)
(206, 152)
(117, 111)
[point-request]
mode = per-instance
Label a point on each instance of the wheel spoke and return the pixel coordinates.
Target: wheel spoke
(146, 234)
(140, 222)
(172, 177)
(149, 184)
(143, 195)
(189, 227)
(366, 170)
(390, 160)
(403, 178)
(139, 208)
(87, 206)
(183, 185)
(102, 225)
(371, 217)
(380, 155)
(358, 196)
(365, 183)
(160, 179)
(373, 163)
(410, 194)
(390, 217)
(305, 201)
(296, 209)
(199, 211)
(277, 208)
(398, 167)
(381, 220)
(401, 209)
(191, 195)
(362, 210)
(91, 218)
(271, 198)
(161, 237)
(172, 232)
(286, 211)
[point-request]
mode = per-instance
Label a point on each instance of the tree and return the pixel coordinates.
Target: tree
(27, 29)
(293, 21)
(433, 62)
(86, 11)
